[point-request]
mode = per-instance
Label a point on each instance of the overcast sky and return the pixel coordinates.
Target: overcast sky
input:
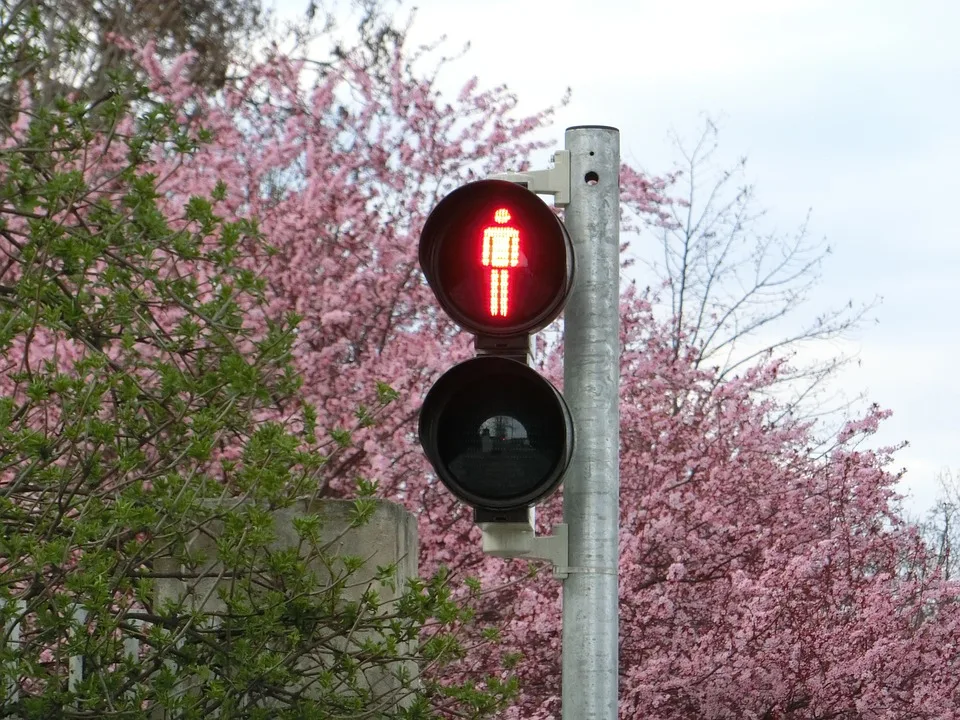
(849, 108)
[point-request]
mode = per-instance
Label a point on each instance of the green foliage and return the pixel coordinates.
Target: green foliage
(149, 434)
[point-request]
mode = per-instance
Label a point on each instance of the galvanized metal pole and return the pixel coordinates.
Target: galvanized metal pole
(591, 379)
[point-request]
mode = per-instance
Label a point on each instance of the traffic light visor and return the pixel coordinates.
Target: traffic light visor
(497, 257)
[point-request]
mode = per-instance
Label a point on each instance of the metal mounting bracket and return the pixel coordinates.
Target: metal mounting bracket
(515, 347)
(552, 181)
(519, 540)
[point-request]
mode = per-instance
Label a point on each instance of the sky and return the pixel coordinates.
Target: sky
(849, 109)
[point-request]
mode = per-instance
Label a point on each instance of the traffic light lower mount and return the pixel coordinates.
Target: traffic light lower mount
(520, 540)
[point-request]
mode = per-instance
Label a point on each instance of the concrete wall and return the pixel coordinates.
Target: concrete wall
(390, 537)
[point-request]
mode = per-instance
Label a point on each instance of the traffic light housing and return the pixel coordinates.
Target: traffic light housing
(497, 258)
(498, 434)
(501, 265)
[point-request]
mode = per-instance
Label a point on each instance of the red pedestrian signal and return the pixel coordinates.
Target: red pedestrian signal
(501, 251)
(498, 259)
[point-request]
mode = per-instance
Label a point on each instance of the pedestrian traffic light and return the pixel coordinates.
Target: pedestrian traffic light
(501, 265)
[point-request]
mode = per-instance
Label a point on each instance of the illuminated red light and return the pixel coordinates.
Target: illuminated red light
(500, 250)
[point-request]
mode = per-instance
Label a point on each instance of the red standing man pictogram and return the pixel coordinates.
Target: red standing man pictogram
(501, 251)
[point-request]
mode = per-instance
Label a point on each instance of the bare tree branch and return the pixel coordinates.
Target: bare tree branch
(733, 286)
